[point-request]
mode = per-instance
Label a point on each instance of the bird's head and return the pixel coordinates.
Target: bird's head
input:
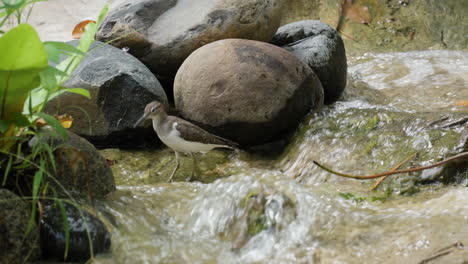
(152, 110)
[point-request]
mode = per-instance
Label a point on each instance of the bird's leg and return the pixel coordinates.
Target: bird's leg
(193, 167)
(176, 166)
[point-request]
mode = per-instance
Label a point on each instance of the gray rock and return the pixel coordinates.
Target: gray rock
(319, 46)
(80, 222)
(17, 246)
(80, 169)
(120, 87)
(248, 91)
(162, 33)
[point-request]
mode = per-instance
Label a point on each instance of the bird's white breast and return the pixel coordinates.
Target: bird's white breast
(175, 142)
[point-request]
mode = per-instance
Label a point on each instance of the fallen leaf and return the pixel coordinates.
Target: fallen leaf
(65, 120)
(462, 103)
(40, 122)
(356, 12)
(80, 27)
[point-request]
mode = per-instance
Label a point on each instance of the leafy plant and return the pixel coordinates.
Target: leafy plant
(14, 8)
(28, 80)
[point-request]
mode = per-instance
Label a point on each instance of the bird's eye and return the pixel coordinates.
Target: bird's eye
(153, 109)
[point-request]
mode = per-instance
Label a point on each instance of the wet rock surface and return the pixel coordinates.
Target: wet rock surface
(394, 98)
(17, 245)
(155, 166)
(396, 104)
(120, 87)
(414, 111)
(321, 47)
(53, 239)
(264, 212)
(162, 45)
(247, 91)
(80, 169)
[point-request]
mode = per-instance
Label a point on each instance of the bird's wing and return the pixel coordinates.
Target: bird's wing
(191, 132)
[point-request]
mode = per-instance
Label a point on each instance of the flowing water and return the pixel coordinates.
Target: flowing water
(286, 210)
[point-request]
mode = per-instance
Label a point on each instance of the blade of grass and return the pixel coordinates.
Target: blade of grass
(7, 170)
(65, 228)
(36, 184)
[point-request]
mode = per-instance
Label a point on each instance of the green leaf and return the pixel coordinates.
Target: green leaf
(40, 96)
(25, 49)
(20, 120)
(4, 125)
(80, 91)
(55, 49)
(7, 170)
(37, 181)
(70, 64)
(15, 5)
(55, 124)
(19, 67)
(36, 184)
(35, 100)
(49, 78)
(53, 53)
(65, 227)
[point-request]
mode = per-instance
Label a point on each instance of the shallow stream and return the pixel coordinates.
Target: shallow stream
(395, 104)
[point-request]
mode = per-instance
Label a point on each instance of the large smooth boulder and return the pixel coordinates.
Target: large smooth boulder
(17, 245)
(162, 33)
(248, 91)
(120, 87)
(79, 168)
(319, 46)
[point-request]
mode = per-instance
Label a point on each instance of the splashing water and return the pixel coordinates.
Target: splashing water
(293, 212)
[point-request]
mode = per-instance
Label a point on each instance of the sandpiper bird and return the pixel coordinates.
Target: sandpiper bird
(180, 135)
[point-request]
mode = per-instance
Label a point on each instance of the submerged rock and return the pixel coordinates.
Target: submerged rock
(151, 167)
(80, 222)
(248, 91)
(120, 87)
(149, 30)
(79, 168)
(16, 244)
(321, 47)
(263, 211)
(372, 141)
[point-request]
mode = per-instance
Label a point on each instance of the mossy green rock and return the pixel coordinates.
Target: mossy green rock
(79, 168)
(373, 141)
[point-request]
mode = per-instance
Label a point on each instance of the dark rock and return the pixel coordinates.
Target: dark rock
(16, 245)
(53, 241)
(120, 87)
(80, 169)
(162, 33)
(248, 91)
(319, 46)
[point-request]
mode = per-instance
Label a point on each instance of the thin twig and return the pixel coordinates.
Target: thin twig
(358, 177)
(393, 169)
(348, 36)
(442, 252)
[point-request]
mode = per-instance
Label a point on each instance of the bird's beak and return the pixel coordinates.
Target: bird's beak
(143, 117)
